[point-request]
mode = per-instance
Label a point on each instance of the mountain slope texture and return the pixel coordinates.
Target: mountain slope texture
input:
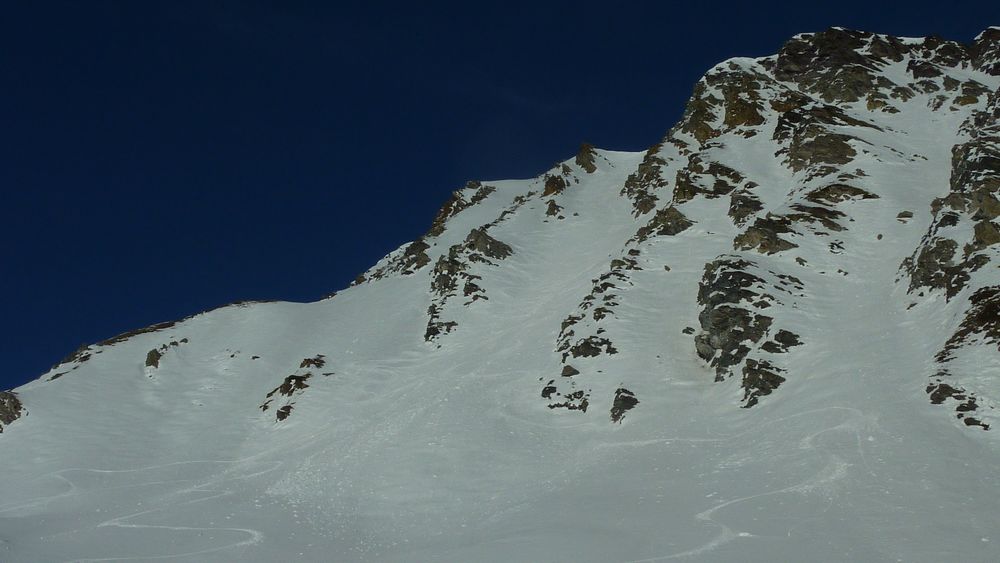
(773, 336)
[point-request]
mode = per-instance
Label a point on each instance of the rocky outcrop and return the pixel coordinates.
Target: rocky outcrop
(781, 342)
(11, 408)
(583, 334)
(733, 292)
(770, 234)
(707, 178)
(554, 185)
(729, 98)
(730, 326)
(586, 158)
(317, 361)
(981, 321)
(154, 356)
(623, 402)
(575, 401)
(668, 221)
(292, 386)
(985, 52)
(743, 205)
(765, 235)
(760, 378)
(479, 244)
(979, 327)
(833, 194)
(831, 64)
(413, 257)
(947, 256)
(453, 275)
(641, 186)
(460, 200)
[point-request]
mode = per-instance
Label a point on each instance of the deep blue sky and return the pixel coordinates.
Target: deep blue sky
(161, 158)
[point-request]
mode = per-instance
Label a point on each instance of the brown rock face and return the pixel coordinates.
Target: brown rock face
(10, 408)
(554, 185)
(586, 157)
(457, 204)
(483, 243)
(667, 221)
(641, 184)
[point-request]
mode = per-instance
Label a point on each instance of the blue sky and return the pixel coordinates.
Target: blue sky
(162, 158)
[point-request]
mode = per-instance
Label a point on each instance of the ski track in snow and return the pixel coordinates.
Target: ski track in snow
(835, 469)
(209, 486)
(255, 535)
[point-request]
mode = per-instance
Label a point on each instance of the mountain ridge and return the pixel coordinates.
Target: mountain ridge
(813, 242)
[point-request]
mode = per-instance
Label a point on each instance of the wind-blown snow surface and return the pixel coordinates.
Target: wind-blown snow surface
(417, 431)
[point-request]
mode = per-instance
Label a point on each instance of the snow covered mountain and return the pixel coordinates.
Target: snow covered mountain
(773, 336)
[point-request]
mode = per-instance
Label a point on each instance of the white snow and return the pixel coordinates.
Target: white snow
(408, 451)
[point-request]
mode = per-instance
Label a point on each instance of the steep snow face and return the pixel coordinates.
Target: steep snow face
(770, 336)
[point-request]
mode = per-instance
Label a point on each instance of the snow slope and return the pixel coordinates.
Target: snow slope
(771, 337)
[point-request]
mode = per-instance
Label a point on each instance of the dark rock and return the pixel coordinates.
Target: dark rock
(985, 234)
(820, 148)
(415, 256)
(970, 421)
(283, 413)
(787, 338)
(668, 221)
(473, 290)
(435, 326)
(985, 52)
(981, 319)
(764, 235)
(699, 113)
(318, 361)
(153, 358)
(830, 64)
(759, 378)
(11, 408)
(145, 330)
(483, 243)
(577, 400)
(923, 69)
(816, 214)
(548, 390)
(641, 184)
(80, 355)
(445, 274)
(590, 347)
(290, 385)
(458, 203)
(624, 401)
(836, 193)
(783, 340)
(569, 371)
(728, 329)
(585, 158)
(709, 179)
(934, 266)
(938, 393)
(554, 185)
(965, 402)
(553, 208)
(742, 205)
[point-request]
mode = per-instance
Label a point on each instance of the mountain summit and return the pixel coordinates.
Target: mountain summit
(773, 336)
